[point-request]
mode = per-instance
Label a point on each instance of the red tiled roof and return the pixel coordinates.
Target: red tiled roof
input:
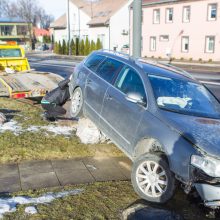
(41, 32)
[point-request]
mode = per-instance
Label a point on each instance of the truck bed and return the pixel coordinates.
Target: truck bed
(29, 84)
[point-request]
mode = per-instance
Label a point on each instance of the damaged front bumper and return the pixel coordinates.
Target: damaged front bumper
(210, 194)
(208, 188)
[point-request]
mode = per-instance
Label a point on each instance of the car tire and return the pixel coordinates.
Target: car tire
(152, 179)
(76, 104)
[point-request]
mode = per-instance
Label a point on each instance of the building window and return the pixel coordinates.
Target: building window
(169, 15)
(22, 30)
(152, 43)
(186, 14)
(156, 16)
(210, 44)
(185, 44)
(164, 37)
(212, 12)
(6, 30)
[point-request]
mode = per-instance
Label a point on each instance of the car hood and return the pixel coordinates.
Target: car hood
(202, 132)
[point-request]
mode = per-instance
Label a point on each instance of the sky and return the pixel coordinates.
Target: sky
(54, 7)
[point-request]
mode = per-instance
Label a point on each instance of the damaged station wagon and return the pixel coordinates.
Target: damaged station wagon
(165, 121)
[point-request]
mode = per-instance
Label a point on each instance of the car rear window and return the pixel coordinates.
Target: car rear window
(109, 69)
(93, 61)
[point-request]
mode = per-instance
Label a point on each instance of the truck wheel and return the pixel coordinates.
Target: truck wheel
(76, 106)
(152, 179)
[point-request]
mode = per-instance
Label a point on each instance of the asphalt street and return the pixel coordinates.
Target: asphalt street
(210, 77)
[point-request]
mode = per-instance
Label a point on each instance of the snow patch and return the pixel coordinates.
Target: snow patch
(11, 126)
(14, 127)
(10, 204)
(31, 210)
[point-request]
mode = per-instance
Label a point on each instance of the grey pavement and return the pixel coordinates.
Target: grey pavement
(55, 173)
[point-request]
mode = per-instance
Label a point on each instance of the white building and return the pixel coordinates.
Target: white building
(107, 20)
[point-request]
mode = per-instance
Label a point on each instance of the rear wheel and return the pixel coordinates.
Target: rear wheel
(152, 178)
(76, 106)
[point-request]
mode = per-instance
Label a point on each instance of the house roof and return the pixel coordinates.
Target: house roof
(60, 23)
(100, 11)
(12, 20)
(41, 32)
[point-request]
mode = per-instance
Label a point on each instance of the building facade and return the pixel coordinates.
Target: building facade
(12, 29)
(181, 29)
(107, 20)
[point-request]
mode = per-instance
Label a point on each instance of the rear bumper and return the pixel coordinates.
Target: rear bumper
(210, 194)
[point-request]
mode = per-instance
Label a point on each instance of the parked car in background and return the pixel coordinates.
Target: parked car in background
(125, 49)
(165, 121)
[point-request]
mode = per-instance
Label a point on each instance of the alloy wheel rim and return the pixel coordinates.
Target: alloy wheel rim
(76, 101)
(151, 179)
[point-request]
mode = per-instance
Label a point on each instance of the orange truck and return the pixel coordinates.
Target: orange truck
(17, 80)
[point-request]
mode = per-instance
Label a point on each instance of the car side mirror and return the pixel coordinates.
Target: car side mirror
(136, 99)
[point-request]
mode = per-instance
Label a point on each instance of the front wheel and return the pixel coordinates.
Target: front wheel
(76, 106)
(152, 178)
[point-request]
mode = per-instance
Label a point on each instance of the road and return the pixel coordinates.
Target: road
(210, 77)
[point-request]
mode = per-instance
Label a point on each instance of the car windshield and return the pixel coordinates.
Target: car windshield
(185, 97)
(10, 53)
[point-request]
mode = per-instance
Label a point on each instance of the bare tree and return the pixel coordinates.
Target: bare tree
(44, 18)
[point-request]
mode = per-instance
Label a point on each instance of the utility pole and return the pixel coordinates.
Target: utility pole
(137, 28)
(68, 26)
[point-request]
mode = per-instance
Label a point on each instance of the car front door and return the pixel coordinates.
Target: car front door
(97, 84)
(119, 115)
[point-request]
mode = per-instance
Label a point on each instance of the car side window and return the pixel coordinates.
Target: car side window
(129, 81)
(108, 69)
(93, 61)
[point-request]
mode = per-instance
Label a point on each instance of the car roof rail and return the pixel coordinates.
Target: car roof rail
(179, 70)
(117, 53)
(163, 64)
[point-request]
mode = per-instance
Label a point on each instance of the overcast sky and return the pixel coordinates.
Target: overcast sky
(54, 7)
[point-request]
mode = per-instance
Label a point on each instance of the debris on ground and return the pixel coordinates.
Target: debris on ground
(10, 204)
(88, 132)
(2, 119)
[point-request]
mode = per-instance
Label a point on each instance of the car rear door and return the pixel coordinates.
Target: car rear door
(97, 84)
(121, 116)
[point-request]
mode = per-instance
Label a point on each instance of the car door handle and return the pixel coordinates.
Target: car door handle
(108, 97)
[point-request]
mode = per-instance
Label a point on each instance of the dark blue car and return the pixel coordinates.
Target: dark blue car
(165, 121)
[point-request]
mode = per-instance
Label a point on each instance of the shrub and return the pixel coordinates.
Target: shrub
(87, 47)
(210, 60)
(98, 44)
(64, 48)
(56, 48)
(200, 59)
(73, 47)
(93, 46)
(181, 58)
(60, 49)
(82, 48)
(191, 59)
(77, 46)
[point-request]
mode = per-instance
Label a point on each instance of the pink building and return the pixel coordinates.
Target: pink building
(181, 29)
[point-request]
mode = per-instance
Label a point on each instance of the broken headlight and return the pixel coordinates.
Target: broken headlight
(209, 165)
